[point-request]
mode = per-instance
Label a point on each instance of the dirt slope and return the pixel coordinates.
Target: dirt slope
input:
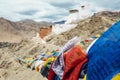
(10, 69)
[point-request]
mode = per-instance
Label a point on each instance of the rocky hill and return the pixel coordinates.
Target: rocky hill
(91, 26)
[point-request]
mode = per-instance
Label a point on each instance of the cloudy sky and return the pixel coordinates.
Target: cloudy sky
(50, 10)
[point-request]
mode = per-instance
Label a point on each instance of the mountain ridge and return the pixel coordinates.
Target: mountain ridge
(16, 31)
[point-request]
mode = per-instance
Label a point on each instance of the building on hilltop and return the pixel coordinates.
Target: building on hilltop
(44, 31)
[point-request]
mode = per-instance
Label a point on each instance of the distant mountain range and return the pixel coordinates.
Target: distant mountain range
(26, 29)
(16, 31)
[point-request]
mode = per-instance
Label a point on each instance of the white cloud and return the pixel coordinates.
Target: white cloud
(49, 9)
(18, 9)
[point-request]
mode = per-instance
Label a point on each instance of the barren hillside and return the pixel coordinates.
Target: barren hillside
(89, 27)
(11, 69)
(8, 31)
